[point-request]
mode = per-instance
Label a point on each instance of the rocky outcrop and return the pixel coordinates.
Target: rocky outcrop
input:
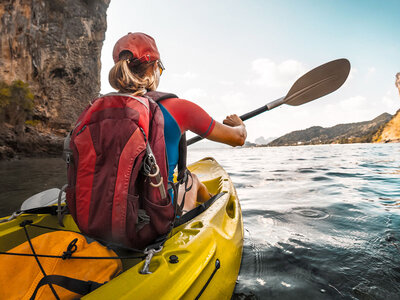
(390, 133)
(55, 47)
(361, 132)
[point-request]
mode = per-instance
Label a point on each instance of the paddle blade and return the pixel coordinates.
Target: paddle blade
(43, 199)
(318, 82)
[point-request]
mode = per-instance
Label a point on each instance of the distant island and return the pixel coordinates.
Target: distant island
(384, 128)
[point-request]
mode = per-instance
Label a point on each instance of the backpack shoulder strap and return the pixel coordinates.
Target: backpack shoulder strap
(158, 96)
(182, 170)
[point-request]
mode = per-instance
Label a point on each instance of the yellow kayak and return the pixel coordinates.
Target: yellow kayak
(201, 259)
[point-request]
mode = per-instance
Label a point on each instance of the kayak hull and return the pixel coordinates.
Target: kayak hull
(201, 259)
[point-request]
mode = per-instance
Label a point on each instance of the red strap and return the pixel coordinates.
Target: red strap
(84, 177)
(132, 149)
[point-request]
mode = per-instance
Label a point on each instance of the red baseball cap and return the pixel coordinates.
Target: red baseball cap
(141, 45)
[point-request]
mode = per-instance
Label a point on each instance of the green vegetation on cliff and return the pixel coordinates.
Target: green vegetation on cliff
(16, 103)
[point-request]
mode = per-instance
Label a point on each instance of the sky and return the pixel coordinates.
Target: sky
(235, 56)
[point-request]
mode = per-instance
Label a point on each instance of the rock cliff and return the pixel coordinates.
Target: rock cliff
(54, 46)
(390, 132)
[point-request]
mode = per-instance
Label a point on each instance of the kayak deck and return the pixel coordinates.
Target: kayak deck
(201, 258)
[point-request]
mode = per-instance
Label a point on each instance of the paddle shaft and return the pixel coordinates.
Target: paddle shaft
(247, 116)
(262, 109)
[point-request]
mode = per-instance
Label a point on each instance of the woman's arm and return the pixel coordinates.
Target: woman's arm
(232, 131)
(190, 116)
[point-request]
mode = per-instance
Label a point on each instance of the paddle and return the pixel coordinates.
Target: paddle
(42, 199)
(316, 83)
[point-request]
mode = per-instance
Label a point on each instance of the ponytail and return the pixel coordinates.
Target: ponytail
(136, 80)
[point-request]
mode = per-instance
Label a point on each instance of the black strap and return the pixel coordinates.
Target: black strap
(196, 211)
(74, 285)
(217, 267)
(182, 157)
(185, 181)
(50, 210)
(174, 187)
(183, 172)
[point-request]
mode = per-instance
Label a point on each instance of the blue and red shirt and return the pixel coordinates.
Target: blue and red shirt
(179, 116)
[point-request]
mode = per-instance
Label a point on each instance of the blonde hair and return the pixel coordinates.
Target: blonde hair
(136, 80)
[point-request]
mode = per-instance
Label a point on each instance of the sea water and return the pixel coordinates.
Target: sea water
(320, 222)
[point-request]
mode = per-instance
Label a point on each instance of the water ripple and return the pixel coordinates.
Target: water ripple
(311, 213)
(320, 178)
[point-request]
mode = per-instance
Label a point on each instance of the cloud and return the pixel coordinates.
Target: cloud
(276, 75)
(187, 75)
(353, 109)
(236, 102)
(371, 71)
(391, 101)
(227, 83)
(350, 79)
(194, 94)
(353, 73)
(221, 105)
(354, 103)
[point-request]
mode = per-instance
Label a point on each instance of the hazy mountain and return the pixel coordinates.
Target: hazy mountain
(263, 141)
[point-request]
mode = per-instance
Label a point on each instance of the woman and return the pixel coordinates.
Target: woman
(137, 70)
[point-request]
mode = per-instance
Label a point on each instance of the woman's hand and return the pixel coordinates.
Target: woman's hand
(232, 131)
(233, 121)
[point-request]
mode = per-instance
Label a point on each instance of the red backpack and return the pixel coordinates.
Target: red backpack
(117, 170)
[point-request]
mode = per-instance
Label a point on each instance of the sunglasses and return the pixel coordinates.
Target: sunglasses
(160, 66)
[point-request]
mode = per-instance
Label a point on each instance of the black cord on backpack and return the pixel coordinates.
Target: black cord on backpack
(24, 224)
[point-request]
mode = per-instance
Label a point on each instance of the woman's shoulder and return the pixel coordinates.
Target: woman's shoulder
(179, 104)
